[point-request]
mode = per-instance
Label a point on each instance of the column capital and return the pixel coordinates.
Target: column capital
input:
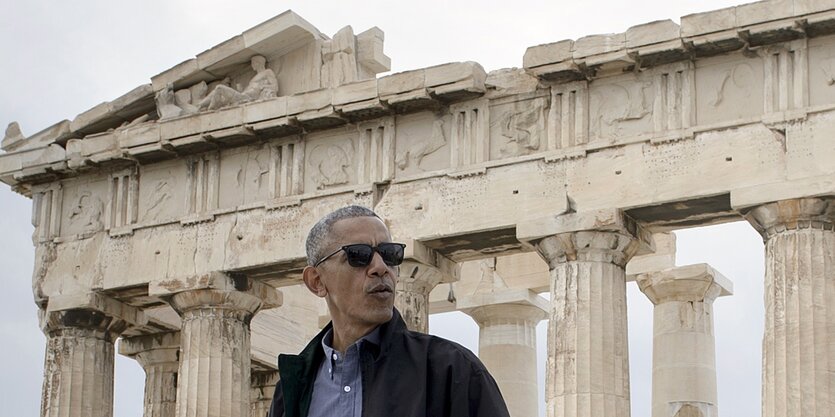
(106, 317)
(416, 254)
(692, 283)
(236, 294)
(152, 349)
(518, 304)
(607, 235)
(801, 213)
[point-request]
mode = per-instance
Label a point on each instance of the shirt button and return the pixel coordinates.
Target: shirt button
(347, 389)
(335, 357)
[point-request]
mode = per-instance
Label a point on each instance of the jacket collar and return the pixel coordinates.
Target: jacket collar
(297, 372)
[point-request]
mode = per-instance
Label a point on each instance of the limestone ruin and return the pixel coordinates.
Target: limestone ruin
(172, 218)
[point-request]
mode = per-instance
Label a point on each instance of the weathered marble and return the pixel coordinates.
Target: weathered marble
(798, 351)
(261, 392)
(507, 344)
(683, 353)
(215, 353)
(158, 354)
(587, 370)
(78, 367)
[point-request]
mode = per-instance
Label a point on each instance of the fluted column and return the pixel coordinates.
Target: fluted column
(214, 373)
(684, 349)
(78, 365)
(157, 354)
(507, 347)
(261, 392)
(799, 342)
(587, 370)
(412, 294)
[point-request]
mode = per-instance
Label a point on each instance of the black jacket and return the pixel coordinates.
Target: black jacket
(411, 374)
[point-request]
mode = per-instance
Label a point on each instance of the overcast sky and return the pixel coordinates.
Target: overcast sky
(62, 58)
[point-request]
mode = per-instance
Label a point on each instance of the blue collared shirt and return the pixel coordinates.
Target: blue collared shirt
(337, 391)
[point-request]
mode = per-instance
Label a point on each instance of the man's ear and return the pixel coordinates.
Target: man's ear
(313, 281)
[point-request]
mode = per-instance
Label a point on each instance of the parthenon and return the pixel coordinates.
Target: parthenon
(171, 219)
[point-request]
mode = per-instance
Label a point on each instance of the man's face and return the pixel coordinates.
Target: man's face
(358, 296)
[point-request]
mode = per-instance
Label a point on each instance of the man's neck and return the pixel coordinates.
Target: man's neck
(344, 335)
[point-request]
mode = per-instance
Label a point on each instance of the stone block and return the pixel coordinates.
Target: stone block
(265, 110)
(180, 127)
(400, 83)
(311, 100)
(181, 75)
(663, 258)
(139, 135)
(355, 92)
(80, 148)
(763, 11)
(10, 163)
(224, 54)
(708, 22)
(288, 27)
(802, 7)
(454, 72)
(598, 44)
(651, 33)
(370, 51)
(548, 53)
(98, 302)
(748, 197)
(609, 220)
(42, 156)
(89, 117)
(684, 283)
(221, 119)
(126, 103)
(17, 142)
(518, 296)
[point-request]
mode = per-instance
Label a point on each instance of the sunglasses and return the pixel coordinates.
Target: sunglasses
(361, 254)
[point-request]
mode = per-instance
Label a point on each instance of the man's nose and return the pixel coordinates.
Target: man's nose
(377, 267)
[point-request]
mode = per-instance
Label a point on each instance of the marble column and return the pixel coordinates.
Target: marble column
(414, 284)
(684, 348)
(214, 373)
(261, 392)
(78, 365)
(158, 356)
(799, 341)
(420, 272)
(507, 347)
(587, 370)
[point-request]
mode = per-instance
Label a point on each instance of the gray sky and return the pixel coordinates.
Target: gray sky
(62, 58)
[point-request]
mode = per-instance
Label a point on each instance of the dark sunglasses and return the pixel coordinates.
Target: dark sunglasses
(361, 254)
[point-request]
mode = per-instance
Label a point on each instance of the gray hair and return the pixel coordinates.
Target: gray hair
(319, 235)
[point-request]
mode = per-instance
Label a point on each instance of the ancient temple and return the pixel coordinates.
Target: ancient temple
(169, 222)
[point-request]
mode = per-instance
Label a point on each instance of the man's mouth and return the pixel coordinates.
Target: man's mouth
(380, 288)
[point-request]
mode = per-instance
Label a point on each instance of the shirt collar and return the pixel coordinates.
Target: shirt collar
(327, 340)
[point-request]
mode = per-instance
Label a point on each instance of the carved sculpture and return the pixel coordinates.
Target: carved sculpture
(618, 104)
(86, 213)
(330, 163)
(339, 59)
(521, 131)
(166, 103)
(740, 78)
(13, 136)
(262, 86)
(418, 151)
(183, 100)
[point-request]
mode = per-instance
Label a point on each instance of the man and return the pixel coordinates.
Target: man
(365, 362)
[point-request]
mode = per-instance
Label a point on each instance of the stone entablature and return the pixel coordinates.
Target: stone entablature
(442, 151)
